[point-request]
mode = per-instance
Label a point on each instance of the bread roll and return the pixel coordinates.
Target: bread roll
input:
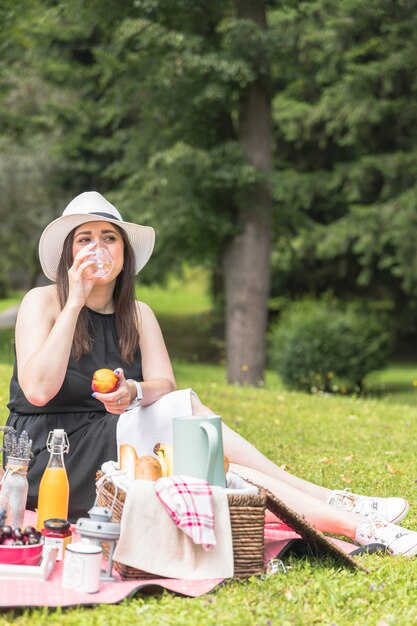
(226, 464)
(148, 468)
(127, 460)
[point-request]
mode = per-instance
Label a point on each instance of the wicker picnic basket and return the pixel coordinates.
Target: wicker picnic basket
(247, 517)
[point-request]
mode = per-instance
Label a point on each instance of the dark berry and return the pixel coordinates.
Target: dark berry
(29, 530)
(17, 534)
(32, 539)
(17, 542)
(7, 532)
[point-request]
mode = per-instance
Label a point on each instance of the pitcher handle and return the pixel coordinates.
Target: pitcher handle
(213, 446)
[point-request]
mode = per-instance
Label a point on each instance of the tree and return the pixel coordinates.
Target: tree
(168, 128)
(27, 166)
(247, 255)
(165, 107)
(344, 125)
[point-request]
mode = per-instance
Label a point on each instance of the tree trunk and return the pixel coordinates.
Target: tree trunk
(247, 257)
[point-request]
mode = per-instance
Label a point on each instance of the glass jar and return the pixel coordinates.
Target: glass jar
(15, 483)
(57, 533)
(4, 508)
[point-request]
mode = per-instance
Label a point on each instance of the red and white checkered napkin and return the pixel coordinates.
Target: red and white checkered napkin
(189, 502)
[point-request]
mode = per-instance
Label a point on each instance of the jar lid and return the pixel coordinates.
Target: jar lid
(57, 524)
(84, 547)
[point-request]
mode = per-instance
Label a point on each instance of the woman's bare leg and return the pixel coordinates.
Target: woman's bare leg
(240, 451)
(321, 515)
(304, 498)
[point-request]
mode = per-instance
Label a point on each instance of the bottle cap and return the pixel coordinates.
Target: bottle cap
(57, 438)
(57, 524)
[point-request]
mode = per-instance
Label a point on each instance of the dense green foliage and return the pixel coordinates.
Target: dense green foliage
(317, 345)
(141, 100)
(27, 140)
(148, 93)
(346, 150)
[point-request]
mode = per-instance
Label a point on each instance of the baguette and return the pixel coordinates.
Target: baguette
(127, 460)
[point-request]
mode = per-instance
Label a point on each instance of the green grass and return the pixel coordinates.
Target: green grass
(363, 441)
(397, 384)
(186, 295)
(14, 299)
(365, 444)
(183, 309)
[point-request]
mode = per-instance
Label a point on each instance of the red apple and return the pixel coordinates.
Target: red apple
(104, 381)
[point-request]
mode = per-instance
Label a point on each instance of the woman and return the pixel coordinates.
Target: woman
(65, 331)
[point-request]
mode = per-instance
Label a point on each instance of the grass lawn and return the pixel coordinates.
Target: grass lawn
(14, 299)
(345, 442)
(363, 444)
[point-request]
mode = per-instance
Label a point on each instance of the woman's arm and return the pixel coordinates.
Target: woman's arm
(44, 337)
(44, 332)
(158, 377)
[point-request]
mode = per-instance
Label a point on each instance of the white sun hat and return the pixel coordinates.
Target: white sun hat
(91, 206)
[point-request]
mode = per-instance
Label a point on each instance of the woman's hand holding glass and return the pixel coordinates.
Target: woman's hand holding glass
(80, 278)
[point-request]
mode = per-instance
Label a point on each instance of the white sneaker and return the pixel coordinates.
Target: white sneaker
(393, 510)
(398, 540)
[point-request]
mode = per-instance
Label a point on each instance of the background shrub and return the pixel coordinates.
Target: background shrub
(329, 346)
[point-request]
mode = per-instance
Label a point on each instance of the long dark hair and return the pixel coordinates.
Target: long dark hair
(126, 314)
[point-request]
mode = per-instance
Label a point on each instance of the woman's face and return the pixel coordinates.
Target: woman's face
(106, 235)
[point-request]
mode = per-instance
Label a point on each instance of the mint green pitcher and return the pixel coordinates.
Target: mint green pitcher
(198, 448)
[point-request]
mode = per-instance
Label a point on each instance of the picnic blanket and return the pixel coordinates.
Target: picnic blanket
(16, 593)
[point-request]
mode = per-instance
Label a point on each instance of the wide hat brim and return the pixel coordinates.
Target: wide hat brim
(141, 238)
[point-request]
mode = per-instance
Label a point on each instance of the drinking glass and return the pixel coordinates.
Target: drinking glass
(103, 264)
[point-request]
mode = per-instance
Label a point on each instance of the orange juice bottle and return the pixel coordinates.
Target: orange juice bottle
(54, 487)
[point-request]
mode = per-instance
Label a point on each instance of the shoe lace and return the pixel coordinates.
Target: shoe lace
(342, 498)
(354, 503)
(382, 531)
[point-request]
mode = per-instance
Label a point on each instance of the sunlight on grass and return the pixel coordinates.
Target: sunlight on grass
(13, 300)
(396, 384)
(187, 295)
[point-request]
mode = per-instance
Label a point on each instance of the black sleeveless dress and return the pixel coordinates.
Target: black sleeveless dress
(91, 430)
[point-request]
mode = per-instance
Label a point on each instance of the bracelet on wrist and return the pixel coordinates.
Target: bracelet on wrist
(137, 400)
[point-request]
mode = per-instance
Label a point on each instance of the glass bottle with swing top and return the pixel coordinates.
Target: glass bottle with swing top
(54, 486)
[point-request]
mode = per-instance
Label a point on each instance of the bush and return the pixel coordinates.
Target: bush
(321, 345)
